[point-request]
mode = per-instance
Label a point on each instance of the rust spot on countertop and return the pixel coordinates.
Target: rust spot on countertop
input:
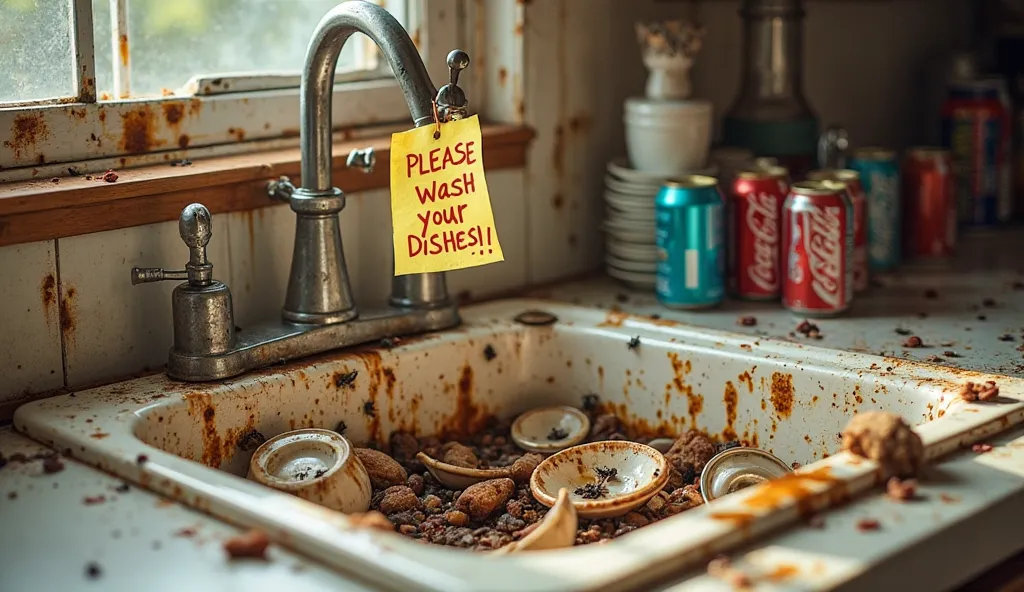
(737, 519)
(139, 133)
(782, 393)
(238, 133)
(68, 315)
(782, 572)
(731, 400)
(747, 378)
(802, 488)
(26, 131)
(694, 401)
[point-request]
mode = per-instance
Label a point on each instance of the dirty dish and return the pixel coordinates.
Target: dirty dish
(632, 279)
(604, 479)
(738, 468)
(662, 445)
(457, 477)
(631, 251)
(650, 267)
(556, 531)
(316, 465)
(550, 429)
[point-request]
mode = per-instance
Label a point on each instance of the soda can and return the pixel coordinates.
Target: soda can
(689, 235)
(929, 204)
(973, 126)
(880, 177)
(851, 178)
(755, 212)
(817, 242)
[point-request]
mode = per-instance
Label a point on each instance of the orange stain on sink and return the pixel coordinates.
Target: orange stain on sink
(614, 319)
(201, 407)
(694, 401)
(747, 379)
(731, 400)
(737, 519)
(782, 572)
(782, 394)
(802, 488)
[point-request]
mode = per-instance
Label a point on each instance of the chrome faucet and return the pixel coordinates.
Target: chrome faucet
(319, 311)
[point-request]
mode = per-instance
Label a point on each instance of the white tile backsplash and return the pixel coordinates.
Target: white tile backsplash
(113, 328)
(30, 358)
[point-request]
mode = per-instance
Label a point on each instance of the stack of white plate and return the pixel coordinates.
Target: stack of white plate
(630, 253)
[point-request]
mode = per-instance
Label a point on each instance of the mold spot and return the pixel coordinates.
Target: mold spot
(68, 314)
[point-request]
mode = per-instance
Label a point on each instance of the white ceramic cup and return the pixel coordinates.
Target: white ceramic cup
(668, 137)
(316, 465)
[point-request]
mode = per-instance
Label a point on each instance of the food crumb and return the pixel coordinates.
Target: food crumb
(975, 391)
(252, 544)
(868, 525)
(140, 459)
(186, 533)
(902, 331)
(181, 163)
(93, 570)
(900, 489)
(747, 321)
(982, 318)
(950, 354)
(988, 303)
(809, 330)
(1006, 337)
(981, 448)
(123, 488)
(52, 464)
(12, 495)
(92, 500)
(489, 353)
(55, 180)
(110, 176)
(557, 433)
(913, 341)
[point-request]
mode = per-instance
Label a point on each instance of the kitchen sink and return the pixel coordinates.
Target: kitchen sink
(186, 440)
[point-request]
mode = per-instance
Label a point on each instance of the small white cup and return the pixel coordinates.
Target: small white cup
(668, 137)
(316, 465)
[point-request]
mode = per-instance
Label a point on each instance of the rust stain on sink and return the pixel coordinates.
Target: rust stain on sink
(731, 400)
(200, 406)
(694, 401)
(782, 394)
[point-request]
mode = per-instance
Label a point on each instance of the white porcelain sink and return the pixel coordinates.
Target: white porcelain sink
(787, 398)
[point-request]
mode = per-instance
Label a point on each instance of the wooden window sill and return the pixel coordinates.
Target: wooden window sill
(44, 210)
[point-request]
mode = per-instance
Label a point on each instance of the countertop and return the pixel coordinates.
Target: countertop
(966, 311)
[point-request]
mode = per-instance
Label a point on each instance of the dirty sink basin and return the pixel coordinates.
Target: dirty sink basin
(790, 399)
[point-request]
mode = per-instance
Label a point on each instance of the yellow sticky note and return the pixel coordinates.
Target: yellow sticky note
(440, 208)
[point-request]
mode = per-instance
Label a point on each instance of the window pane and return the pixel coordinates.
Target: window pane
(35, 50)
(172, 41)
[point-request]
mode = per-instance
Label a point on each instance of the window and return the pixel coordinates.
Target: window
(126, 79)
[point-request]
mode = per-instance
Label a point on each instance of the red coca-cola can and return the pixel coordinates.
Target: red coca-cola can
(755, 213)
(929, 204)
(851, 179)
(817, 247)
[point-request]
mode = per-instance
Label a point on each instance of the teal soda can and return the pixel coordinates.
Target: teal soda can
(689, 231)
(880, 178)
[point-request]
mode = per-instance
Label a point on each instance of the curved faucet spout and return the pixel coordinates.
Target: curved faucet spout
(318, 80)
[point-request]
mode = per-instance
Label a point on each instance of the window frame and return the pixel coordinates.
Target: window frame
(81, 134)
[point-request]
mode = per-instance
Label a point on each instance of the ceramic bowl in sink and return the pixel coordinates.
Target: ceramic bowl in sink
(604, 479)
(316, 465)
(550, 429)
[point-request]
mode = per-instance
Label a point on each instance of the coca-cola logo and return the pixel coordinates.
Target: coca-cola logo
(762, 221)
(823, 243)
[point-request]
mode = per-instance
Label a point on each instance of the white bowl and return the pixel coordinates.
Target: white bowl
(631, 251)
(650, 267)
(316, 465)
(640, 473)
(668, 137)
(533, 430)
(637, 281)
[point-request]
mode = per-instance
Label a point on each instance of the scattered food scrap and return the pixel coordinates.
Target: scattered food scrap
(251, 441)
(902, 331)
(251, 545)
(181, 163)
(809, 330)
(950, 354)
(1007, 337)
(981, 448)
(52, 464)
(92, 500)
(886, 439)
(123, 488)
(93, 570)
(982, 318)
(747, 321)
(557, 433)
(913, 341)
(721, 568)
(55, 180)
(371, 519)
(110, 176)
(977, 391)
(141, 459)
(489, 353)
(934, 359)
(868, 525)
(900, 489)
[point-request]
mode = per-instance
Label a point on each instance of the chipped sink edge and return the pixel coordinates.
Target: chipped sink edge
(378, 556)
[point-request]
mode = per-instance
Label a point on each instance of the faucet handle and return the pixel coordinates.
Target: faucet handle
(451, 101)
(195, 226)
(365, 159)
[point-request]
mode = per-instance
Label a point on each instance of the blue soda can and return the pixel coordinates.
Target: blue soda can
(880, 177)
(975, 130)
(689, 232)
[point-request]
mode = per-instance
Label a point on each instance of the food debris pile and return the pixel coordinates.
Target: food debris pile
(491, 514)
